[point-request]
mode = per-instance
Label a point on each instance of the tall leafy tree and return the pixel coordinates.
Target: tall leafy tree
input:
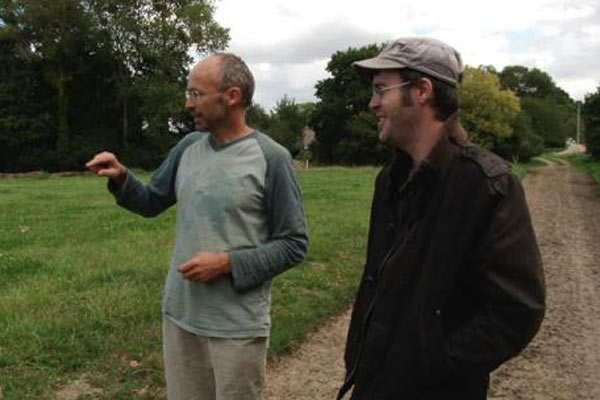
(288, 120)
(488, 112)
(552, 121)
(551, 110)
(341, 98)
(523, 144)
(25, 103)
(56, 34)
(152, 40)
(104, 73)
(361, 145)
(526, 82)
(591, 117)
(258, 118)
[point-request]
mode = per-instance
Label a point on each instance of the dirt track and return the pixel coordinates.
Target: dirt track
(562, 362)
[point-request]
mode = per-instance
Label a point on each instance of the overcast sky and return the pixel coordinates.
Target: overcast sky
(287, 44)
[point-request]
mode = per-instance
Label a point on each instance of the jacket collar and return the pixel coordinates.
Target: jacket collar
(435, 166)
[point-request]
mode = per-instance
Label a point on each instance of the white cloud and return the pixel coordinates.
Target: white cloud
(309, 44)
(288, 44)
(298, 81)
(578, 87)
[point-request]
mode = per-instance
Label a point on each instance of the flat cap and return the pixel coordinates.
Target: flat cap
(429, 56)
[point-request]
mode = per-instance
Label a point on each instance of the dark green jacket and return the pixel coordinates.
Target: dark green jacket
(453, 283)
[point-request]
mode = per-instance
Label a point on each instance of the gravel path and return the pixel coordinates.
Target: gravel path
(562, 362)
(315, 370)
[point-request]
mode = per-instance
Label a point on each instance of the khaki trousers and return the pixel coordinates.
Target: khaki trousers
(209, 368)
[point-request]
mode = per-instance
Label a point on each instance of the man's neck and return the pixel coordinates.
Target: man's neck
(233, 130)
(429, 133)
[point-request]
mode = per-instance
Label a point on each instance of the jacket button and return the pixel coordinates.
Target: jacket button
(438, 312)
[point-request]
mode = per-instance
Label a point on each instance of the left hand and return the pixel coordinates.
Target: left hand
(205, 267)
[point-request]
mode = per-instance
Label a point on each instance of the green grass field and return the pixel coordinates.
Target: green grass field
(82, 281)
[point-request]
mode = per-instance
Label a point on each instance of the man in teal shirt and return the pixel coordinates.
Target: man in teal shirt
(240, 222)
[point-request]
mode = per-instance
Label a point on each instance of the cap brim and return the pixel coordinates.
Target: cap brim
(368, 67)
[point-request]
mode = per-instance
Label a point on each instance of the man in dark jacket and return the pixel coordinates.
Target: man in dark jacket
(453, 283)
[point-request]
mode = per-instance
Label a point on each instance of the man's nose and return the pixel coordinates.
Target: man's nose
(374, 102)
(189, 104)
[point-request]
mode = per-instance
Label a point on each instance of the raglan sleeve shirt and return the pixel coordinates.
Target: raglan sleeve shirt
(286, 222)
(288, 241)
(153, 198)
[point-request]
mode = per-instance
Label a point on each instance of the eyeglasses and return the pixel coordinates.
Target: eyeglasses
(193, 94)
(378, 91)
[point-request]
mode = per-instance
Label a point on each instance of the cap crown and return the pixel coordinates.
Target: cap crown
(429, 56)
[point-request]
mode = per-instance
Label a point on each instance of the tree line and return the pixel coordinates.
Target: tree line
(517, 112)
(80, 76)
(591, 119)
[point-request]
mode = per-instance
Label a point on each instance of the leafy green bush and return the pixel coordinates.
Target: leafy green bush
(524, 142)
(591, 117)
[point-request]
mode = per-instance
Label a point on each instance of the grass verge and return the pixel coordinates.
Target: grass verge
(520, 169)
(584, 163)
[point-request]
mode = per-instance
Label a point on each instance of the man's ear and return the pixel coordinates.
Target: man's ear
(233, 96)
(425, 93)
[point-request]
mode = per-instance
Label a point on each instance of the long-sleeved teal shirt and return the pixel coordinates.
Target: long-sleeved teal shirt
(242, 198)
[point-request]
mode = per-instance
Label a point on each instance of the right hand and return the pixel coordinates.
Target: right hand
(107, 164)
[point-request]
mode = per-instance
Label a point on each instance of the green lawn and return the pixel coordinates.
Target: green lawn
(81, 281)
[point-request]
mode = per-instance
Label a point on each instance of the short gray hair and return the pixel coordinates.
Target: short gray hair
(235, 72)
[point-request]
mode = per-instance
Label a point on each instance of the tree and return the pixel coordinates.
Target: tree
(257, 117)
(523, 144)
(553, 122)
(488, 112)
(307, 110)
(56, 33)
(152, 40)
(591, 118)
(288, 121)
(525, 82)
(341, 98)
(25, 101)
(361, 146)
(105, 73)
(551, 109)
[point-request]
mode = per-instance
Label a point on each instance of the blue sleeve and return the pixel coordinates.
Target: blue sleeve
(153, 198)
(288, 242)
